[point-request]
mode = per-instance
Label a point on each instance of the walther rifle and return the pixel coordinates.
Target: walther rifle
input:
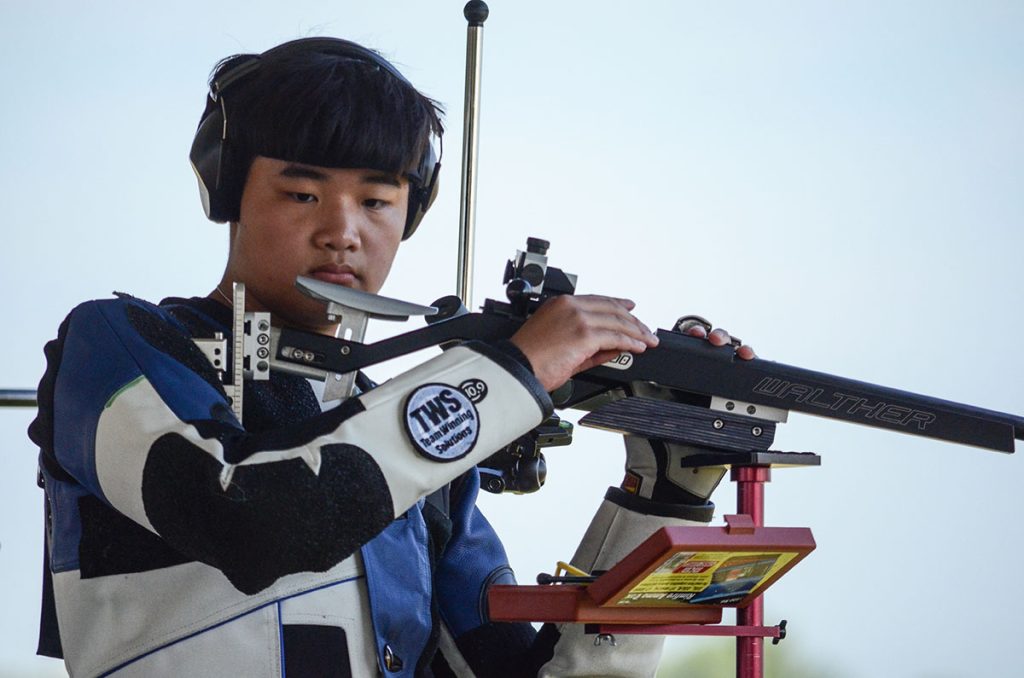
(684, 390)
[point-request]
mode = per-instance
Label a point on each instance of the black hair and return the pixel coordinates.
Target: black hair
(322, 107)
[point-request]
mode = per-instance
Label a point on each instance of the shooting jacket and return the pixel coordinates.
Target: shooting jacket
(180, 543)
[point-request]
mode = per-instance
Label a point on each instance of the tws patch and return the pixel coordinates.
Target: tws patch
(441, 420)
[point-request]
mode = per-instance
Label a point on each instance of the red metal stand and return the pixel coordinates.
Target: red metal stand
(614, 602)
(750, 482)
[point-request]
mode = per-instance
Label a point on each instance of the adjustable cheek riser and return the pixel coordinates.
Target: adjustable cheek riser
(351, 309)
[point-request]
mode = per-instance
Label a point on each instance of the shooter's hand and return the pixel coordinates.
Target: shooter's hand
(695, 326)
(570, 334)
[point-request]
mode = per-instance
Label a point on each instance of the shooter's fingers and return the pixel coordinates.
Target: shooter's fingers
(599, 359)
(612, 314)
(593, 301)
(720, 337)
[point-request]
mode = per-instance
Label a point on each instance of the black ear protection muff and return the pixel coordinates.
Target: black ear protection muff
(221, 180)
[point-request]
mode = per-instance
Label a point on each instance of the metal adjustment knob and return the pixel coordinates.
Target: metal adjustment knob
(537, 246)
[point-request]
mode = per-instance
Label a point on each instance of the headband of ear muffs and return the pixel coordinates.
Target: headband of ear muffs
(221, 182)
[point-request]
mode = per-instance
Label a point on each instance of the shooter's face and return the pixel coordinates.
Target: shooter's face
(338, 225)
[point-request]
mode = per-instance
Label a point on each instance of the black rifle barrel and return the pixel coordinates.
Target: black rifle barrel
(693, 365)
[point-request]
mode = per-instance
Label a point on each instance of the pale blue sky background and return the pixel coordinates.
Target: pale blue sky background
(838, 183)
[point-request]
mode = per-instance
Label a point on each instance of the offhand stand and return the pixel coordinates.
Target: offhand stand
(750, 482)
(679, 580)
(750, 470)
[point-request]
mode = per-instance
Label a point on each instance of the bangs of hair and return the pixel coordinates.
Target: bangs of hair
(332, 111)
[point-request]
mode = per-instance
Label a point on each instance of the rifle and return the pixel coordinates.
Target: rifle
(682, 391)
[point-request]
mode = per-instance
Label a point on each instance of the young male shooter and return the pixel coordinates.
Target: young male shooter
(316, 541)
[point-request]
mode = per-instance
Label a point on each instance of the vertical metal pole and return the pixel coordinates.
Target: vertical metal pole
(475, 12)
(750, 482)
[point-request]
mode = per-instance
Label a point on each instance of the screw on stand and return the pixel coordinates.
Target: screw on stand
(782, 633)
